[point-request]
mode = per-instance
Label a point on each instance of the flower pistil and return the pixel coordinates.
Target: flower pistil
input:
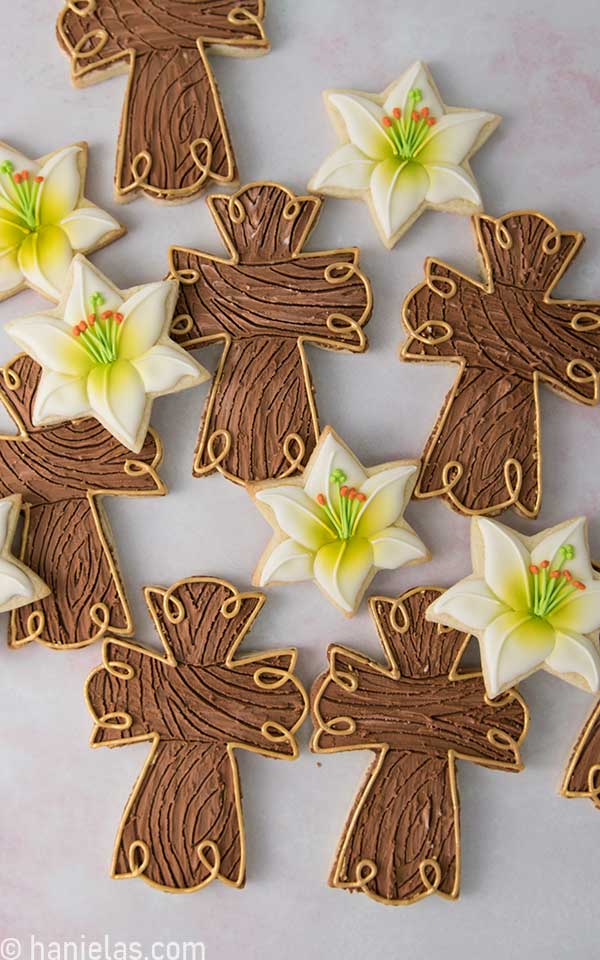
(407, 133)
(552, 586)
(343, 518)
(23, 192)
(98, 333)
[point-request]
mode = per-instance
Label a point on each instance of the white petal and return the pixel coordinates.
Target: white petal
(88, 226)
(11, 275)
(397, 192)
(297, 515)
(363, 120)
(60, 397)
(14, 582)
(448, 183)
(50, 343)
(19, 162)
(512, 647)
(453, 137)
(60, 190)
(289, 562)
(575, 654)
(341, 569)
(118, 400)
(347, 169)
(165, 368)
(44, 259)
(573, 532)
(388, 493)
(7, 508)
(505, 563)
(580, 614)
(469, 604)
(395, 546)
(332, 455)
(416, 77)
(147, 315)
(86, 280)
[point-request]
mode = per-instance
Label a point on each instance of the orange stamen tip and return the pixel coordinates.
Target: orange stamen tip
(17, 177)
(533, 569)
(431, 121)
(416, 115)
(82, 326)
(579, 584)
(343, 491)
(361, 497)
(107, 315)
(321, 500)
(118, 317)
(555, 574)
(545, 564)
(91, 320)
(386, 122)
(39, 179)
(25, 174)
(567, 575)
(397, 112)
(352, 493)
(76, 330)
(425, 112)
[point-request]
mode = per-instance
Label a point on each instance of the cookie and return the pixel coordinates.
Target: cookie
(196, 703)
(173, 139)
(403, 151)
(264, 304)
(582, 776)
(418, 713)
(338, 524)
(105, 353)
(532, 602)
(508, 334)
(46, 219)
(18, 584)
(62, 473)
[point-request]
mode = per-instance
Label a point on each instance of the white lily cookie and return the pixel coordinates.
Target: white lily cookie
(403, 151)
(18, 584)
(106, 353)
(45, 219)
(532, 602)
(338, 523)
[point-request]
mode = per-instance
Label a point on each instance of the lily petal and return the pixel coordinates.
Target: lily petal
(6, 508)
(448, 183)
(469, 604)
(88, 226)
(298, 515)
(346, 169)
(506, 563)
(454, 136)
(395, 546)
(44, 258)
(87, 281)
(146, 318)
(341, 569)
(573, 533)
(12, 232)
(332, 456)
(575, 654)
(388, 493)
(580, 614)
(416, 77)
(118, 400)
(14, 582)
(165, 368)
(11, 275)
(60, 396)
(512, 647)
(60, 190)
(289, 562)
(397, 192)
(362, 118)
(51, 344)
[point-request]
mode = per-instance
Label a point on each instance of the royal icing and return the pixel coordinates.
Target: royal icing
(44, 219)
(106, 353)
(403, 151)
(532, 602)
(18, 584)
(339, 523)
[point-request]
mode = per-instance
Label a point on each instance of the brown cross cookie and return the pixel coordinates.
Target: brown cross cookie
(196, 703)
(418, 714)
(62, 472)
(173, 138)
(264, 304)
(582, 776)
(508, 334)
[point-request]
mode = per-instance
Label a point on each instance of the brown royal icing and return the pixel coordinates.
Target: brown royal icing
(197, 703)
(265, 303)
(418, 713)
(61, 471)
(173, 137)
(507, 334)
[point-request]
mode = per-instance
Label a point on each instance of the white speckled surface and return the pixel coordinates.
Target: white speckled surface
(530, 870)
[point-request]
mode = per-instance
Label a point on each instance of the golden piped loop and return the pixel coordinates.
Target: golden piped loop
(139, 168)
(36, 622)
(138, 864)
(585, 322)
(276, 733)
(364, 873)
(204, 166)
(292, 210)
(216, 458)
(340, 272)
(271, 678)
(341, 324)
(118, 668)
(503, 237)
(551, 242)
(581, 371)
(398, 610)
(173, 608)
(83, 8)
(240, 15)
(231, 607)
(425, 332)
(212, 864)
(451, 474)
(339, 726)
(503, 741)
(294, 459)
(593, 781)
(101, 38)
(182, 324)
(502, 700)
(428, 867)
(115, 720)
(186, 277)
(100, 617)
(237, 212)
(345, 679)
(12, 380)
(444, 287)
